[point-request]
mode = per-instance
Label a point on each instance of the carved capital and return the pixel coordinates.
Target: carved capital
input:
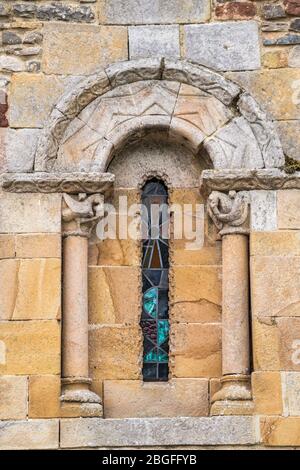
(81, 214)
(229, 212)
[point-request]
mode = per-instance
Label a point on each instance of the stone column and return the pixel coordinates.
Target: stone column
(79, 216)
(230, 215)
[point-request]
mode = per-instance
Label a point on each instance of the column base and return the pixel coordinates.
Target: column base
(77, 400)
(234, 397)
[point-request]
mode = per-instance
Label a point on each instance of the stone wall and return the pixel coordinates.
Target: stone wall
(48, 48)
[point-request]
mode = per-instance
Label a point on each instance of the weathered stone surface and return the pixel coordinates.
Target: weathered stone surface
(276, 278)
(32, 289)
(292, 7)
(275, 26)
(115, 352)
(30, 213)
(266, 390)
(289, 335)
(291, 392)
(264, 131)
(287, 39)
(17, 148)
(155, 11)
(295, 25)
(91, 46)
(96, 432)
(38, 246)
(30, 100)
(32, 434)
(39, 342)
(7, 246)
(234, 146)
(108, 122)
(288, 209)
(33, 37)
(137, 399)
(44, 393)
(265, 344)
(280, 431)
(200, 109)
(24, 10)
(294, 57)
(195, 350)
(59, 12)
(10, 38)
(223, 46)
(202, 78)
(276, 89)
(147, 41)
(11, 64)
(108, 289)
(263, 207)
(281, 243)
(235, 10)
(196, 294)
(275, 59)
(272, 12)
(14, 396)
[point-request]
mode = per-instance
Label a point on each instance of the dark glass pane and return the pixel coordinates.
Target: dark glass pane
(155, 273)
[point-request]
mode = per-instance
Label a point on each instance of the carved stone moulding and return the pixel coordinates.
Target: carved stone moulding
(70, 183)
(246, 180)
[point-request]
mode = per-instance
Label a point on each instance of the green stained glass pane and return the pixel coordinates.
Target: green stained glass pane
(162, 356)
(162, 331)
(150, 356)
(150, 301)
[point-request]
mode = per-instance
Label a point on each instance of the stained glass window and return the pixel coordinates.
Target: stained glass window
(155, 273)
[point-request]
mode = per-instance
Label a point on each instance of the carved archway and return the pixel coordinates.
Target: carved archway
(187, 101)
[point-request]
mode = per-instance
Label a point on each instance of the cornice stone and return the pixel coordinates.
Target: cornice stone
(71, 183)
(246, 180)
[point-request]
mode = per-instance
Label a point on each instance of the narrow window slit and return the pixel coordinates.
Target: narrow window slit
(155, 277)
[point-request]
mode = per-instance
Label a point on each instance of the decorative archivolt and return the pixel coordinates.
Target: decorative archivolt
(123, 102)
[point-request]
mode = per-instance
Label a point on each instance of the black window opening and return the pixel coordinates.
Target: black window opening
(155, 277)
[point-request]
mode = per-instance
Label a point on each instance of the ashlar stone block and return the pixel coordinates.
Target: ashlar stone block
(288, 209)
(223, 46)
(151, 41)
(267, 392)
(44, 394)
(14, 397)
(32, 434)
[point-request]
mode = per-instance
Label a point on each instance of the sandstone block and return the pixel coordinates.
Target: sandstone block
(32, 434)
(89, 47)
(267, 395)
(115, 352)
(292, 392)
(277, 89)
(14, 396)
(289, 335)
(217, 430)
(281, 243)
(155, 11)
(30, 100)
(195, 350)
(294, 57)
(7, 246)
(30, 347)
(235, 11)
(30, 213)
(151, 41)
(223, 46)
(17, 148)
(38, 245)
(133, 398)
(280, 431)
(275, 59)
(288, 132)
(32, 289)
(288, 209)
(263, 210)
(196, 295)
(44, 393)
(265, 345)
(114, 295)
(276, 278)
